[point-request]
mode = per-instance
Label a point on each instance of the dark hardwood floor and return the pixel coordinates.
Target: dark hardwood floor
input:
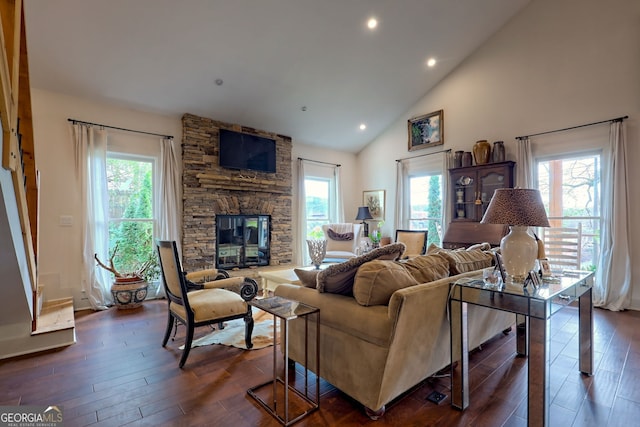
(118, 374)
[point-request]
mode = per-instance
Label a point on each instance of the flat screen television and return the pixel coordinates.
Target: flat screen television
(243, 151)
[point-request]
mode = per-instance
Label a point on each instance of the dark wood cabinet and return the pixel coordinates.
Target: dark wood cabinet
(472, 188)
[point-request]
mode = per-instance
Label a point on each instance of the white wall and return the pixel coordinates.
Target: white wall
(60, 252)
(558, 63)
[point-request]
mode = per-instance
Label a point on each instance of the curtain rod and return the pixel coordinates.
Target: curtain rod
(318, 161)
(617, 119)
(74, 121)
(422, 155)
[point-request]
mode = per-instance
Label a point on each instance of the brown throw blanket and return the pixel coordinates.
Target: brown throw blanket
(339, 236)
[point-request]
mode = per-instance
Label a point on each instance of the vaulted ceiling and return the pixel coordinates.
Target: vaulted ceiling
(309, 69)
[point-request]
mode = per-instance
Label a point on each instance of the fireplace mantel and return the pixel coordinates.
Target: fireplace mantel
(242, 183)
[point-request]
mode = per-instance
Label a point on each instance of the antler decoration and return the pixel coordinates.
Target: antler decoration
(144, 268)
(110, 267)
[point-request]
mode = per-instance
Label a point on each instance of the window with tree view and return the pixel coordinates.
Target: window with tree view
(317, 191)
(570, 189)
(425, 206)
(131, 215)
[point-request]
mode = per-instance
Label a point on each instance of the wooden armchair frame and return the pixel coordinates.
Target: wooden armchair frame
(218, 301)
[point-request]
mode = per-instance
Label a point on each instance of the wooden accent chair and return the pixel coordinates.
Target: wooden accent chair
(563, 247)
(209, 303)
(415, 240)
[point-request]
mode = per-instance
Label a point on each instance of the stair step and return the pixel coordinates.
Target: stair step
(56, 315)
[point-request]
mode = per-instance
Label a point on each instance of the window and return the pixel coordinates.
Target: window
(130, 185)
(570, 189)
(425, 206)
(318, 206)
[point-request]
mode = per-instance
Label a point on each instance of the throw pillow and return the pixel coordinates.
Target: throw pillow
(339, 236)
(338, 278)
(377, 280)
(462, 261)
(433, 249)
(427, 268)
(307, 277)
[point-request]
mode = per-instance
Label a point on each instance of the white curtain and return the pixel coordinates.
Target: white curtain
(400, 196)
(90, 147)
(613, 275)
(302, 253)
(524, 164)
(168, 205)
(338, 203)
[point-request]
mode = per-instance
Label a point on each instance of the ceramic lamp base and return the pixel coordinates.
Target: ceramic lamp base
(519, 250)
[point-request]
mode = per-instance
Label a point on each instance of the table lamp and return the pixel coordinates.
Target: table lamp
(363, 215)
(520, 208)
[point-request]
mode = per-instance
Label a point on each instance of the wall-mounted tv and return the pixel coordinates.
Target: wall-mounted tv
(243, 151)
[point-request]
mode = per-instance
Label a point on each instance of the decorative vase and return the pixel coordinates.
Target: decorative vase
(457, 159)
(129, 292)
(467, 160)
(498, 151)
(482, 152)
(317, 251)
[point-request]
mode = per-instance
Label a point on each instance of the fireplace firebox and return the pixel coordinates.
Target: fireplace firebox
(242, 240)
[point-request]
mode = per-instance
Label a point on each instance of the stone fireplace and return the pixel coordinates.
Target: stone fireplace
(209, 190)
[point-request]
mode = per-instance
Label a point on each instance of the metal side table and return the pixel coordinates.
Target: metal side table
(533, 309)
(287, 310)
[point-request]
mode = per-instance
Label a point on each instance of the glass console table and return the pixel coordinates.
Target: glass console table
(279, 392)
(533, 308)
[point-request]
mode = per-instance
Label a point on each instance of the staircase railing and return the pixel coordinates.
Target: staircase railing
(18, 154)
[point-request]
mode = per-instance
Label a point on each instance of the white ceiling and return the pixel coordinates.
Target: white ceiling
(274, 56)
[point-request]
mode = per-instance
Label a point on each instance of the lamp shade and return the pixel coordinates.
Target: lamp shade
(516, 206)
(363, 213)
(520, 208)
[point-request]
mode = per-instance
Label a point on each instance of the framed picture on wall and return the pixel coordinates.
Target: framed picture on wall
(426, 131)
(374, 200)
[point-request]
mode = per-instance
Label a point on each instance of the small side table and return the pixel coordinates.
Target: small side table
(533, 309)
(286, 310)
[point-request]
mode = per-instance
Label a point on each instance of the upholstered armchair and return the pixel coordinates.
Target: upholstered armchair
(209, 302)
(343, 240)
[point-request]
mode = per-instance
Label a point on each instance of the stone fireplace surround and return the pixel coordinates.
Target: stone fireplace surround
(209, 190)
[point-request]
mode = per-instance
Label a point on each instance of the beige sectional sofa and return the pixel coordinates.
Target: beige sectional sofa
(374, 350)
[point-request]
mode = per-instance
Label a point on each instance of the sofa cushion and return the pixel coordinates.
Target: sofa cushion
(427, 268)
(377, 280)
(307, 277)
(338, 278)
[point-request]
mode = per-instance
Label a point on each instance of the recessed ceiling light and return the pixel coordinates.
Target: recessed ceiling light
(431, 62)
(372, 23)
(219, 82)
(303, 108)
(363, 126)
